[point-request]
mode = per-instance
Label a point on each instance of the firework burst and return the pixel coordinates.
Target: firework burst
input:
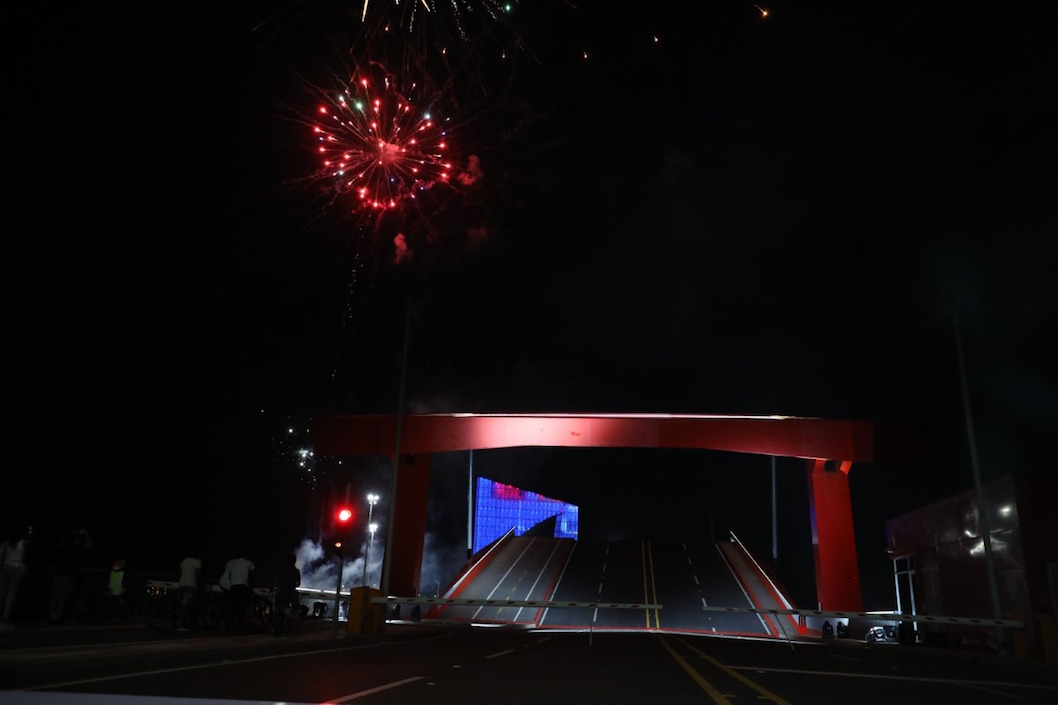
(374, 143)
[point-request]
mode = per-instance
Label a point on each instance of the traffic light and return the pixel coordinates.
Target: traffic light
(343, 520)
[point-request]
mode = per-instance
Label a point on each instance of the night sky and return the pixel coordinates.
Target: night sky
(678, 209)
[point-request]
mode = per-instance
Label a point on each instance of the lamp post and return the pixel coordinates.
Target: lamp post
(337, 589)
(372, 499)
(982, 508)
(372, 527)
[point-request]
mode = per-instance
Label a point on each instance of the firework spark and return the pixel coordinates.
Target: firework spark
(292, 445)
(455, 12)
(375, 143)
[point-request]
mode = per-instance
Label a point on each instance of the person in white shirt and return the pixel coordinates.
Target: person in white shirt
(238, 574)
(188, 591)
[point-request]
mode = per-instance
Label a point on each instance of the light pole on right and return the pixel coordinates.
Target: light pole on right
(372, 499)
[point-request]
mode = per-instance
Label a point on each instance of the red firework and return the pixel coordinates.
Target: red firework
(377, 144)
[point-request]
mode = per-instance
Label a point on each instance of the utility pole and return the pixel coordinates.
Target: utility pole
(982, 509)
(391, 521)
(470, 507)
(774, 516)
(344, 518)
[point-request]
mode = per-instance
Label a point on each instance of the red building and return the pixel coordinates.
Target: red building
(941, 565)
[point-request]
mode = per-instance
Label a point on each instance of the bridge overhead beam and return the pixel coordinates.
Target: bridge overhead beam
(786, 436)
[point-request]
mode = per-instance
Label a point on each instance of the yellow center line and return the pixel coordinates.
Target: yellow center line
(653, 584)
(646, 590)
(738, 676)
(705, 685)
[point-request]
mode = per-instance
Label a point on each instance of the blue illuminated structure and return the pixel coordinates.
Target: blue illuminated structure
(498, 508)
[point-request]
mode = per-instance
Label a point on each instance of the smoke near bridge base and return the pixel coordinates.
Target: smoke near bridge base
(319, 566)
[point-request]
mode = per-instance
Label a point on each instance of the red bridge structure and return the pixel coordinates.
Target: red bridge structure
(829, 447)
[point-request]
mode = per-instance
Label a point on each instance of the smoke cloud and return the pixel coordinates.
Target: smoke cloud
(402, 253)
(319, 566)
(473, 171)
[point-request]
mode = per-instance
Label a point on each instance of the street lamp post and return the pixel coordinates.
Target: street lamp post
(372, 499)
(982, 508)
(372, 527)
(338, 589)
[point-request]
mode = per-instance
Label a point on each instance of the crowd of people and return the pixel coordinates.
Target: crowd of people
(67, 581)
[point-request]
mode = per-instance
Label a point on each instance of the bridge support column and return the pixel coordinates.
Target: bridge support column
(833, 536)
(408, 514)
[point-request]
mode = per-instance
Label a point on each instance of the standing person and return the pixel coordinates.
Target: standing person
(14, 554)
(286, 612)
(69, 575)
(238, 573)
(116, 604)
(188, 591)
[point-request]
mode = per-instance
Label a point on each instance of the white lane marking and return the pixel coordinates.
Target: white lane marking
(23, 697)
(500, 581)
(695, 579)
(159, 671)
(500, 653)
(703, 603)
(889, 677)
(569, 559)
(536, 582)
(992, 691)
(372, 691)
(847, 658)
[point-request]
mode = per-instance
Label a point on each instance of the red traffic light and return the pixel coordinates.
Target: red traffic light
(345, 515)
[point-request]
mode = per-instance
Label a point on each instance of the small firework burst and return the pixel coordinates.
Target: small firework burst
(375, 143)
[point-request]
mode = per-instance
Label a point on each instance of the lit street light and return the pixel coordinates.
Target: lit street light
(372, 499)
(373, 527)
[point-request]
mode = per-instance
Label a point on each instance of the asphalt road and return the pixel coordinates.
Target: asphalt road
(448, 664)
